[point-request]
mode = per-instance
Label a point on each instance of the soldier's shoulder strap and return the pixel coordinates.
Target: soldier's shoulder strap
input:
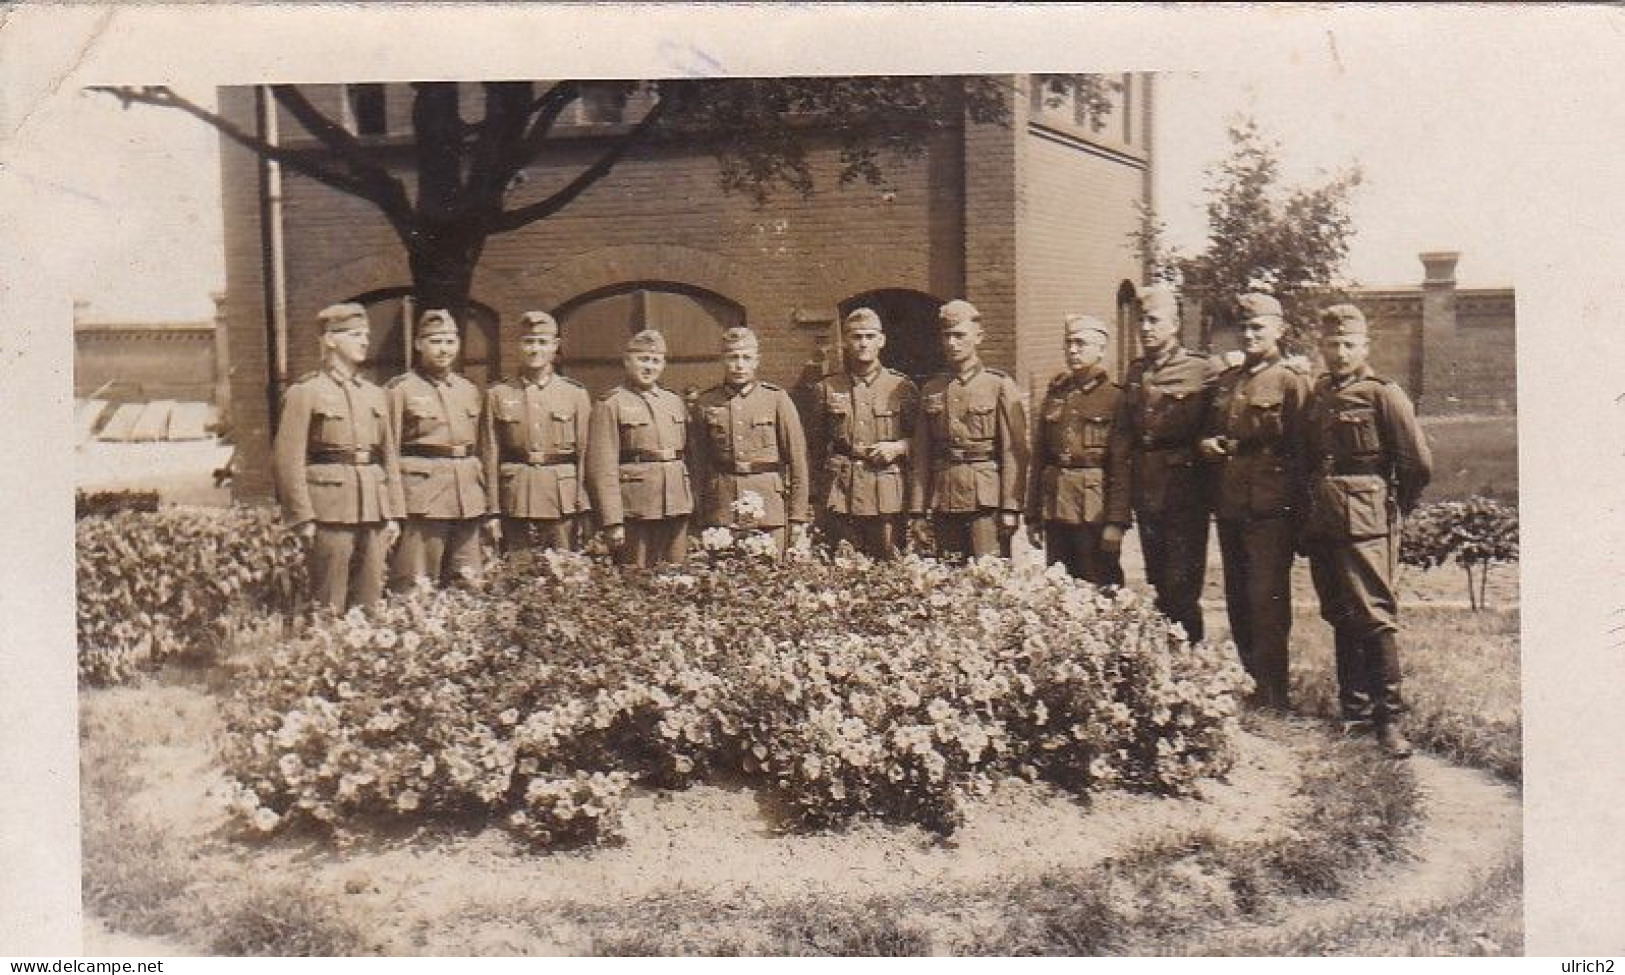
(307, 377)
(397, 380)
(770, 387)
(568, 381)
(997, 372)
(611, 393)
(900, 374)
(1299, 364)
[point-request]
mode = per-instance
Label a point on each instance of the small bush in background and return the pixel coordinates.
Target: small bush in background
(1475, 534)
(159, 585)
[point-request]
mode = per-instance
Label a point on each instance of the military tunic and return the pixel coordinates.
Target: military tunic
(864, 500)
(969, 459)
(1160, 419)
(446, 502)
(636, 475)
(533, 442)
(336, 464)
(1257, 411)
(749, 439)
(1368, 463)
(1078, 484)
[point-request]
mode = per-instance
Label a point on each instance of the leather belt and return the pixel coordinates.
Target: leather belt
(753, 467)
(536, 458)
(966, 455)
(354, 456)
(651, 456)
(1147, 442)
(1086, 462)
(1333, 467)
(452, 451)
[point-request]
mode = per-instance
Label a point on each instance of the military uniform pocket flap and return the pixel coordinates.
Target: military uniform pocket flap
(329, 410)
(935, 403)
(324, 480)
(508, 410)
(563, 415)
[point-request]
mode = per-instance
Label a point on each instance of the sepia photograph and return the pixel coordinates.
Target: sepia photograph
(715, 512)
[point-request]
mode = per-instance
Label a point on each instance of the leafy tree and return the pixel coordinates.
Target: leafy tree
(1475, 534)
(1262, 236)
(463, 180)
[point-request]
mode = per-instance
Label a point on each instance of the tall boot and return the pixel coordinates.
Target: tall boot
(1353, 702)
(1387, 706)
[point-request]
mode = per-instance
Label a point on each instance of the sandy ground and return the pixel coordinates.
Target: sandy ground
(438, 894)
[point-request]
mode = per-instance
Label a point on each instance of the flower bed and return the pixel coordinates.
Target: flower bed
(153, 585)
(842, 687)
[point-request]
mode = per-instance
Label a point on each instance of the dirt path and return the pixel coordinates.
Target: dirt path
(483, 894)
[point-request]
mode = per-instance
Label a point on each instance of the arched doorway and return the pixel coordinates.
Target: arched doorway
(1127, 347)
(394, 313)
(910, 317)
(596, 326)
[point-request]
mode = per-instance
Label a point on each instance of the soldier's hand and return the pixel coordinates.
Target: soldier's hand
(306, 530)
(392, 533)
(1212, 448)
(615, 536)
(1111, 539)
(1035, 533)
(493, 530)
(886, 453)
(919, 533)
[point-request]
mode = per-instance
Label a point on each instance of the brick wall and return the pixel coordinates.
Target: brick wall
(140, 363)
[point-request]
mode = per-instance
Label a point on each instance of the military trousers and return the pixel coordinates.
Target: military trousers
(1354, 581)
(877, 536)
(1079, 548)
(970, 534)
(346, 565)
(1175, 547)
(438, 549)
(654, 541)
(522, 534)
(1257, 556)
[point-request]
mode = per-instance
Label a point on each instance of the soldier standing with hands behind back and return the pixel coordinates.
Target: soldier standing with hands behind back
(1077, 505)
(1370, 464)
(969, 455)
(1160, 419)
(438, 414)
(533, 442)
(337, 475)
(1254, 442)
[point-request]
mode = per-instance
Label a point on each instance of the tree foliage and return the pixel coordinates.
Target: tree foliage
(1475, 534)
(1262, 236)
(465, 180)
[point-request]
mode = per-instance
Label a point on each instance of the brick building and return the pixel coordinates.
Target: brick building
(1029, 222)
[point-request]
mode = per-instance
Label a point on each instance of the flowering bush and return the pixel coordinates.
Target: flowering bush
(155, 585)
(841, 686)
(1475, 534)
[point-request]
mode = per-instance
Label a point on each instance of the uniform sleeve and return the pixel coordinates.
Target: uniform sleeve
(816, 430)
(793, 446)
(1013, 447)
(488, 451)
(288, 453)
(1035, 473)
(1118, 471)
(919, 461)
(697, 452)
(583, 439)
(1408, 448)
(392, 449)
(603, 464)
(1295, 440)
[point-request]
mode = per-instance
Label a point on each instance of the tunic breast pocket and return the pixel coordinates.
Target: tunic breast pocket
(332, 423)
(1356, 431)
(764, 433)
(563, 423)
(508, 411)
(1263, 419)
(421, 415)
(980, 423)
(1097, 431)
(636, 433)
(888, 425)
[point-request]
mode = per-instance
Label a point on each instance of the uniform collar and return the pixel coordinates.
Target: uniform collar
(739, 390)
(1157, 362)
(1364, 372)
(433, 380)
(525, 379)
(353, 379)
(1262, 364)
(968, 373)
(867, 378)
(1088, 379)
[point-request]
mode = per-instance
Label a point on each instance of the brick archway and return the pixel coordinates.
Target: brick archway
(608, 267)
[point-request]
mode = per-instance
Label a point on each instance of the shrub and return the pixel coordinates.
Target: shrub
(1475, 534)
(158, 585)
(841, 686)
(92, 504)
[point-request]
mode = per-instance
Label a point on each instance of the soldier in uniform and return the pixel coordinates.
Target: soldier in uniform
(969, 455)
(1370, 463)
(636, 476)
(337, 475)
(747, 438)
(861, 422)
(533, 442)
(1254, 438)
(437, 413)
(1077, 499)
(1160, 419)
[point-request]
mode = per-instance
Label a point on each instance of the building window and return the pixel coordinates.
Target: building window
(367, 109)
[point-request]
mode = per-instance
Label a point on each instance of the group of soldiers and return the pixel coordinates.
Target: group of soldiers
(409, 481)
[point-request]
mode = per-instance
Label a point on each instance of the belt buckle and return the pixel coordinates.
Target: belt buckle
(360, 456)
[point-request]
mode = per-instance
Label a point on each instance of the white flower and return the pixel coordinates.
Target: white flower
(716, 539)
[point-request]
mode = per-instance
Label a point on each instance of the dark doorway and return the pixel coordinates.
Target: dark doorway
(596, 326)
(394, 314)
(910, 318)
(1126, 348)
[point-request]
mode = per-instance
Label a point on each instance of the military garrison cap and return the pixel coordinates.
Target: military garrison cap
(1158, 298)
(647, 340)
(739, 337)
(1257, 305)
(436, 321)
(958, 312)
(342, 317)
(1343, 320)
(538, 323)
(862, 318)
(1082, 324)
